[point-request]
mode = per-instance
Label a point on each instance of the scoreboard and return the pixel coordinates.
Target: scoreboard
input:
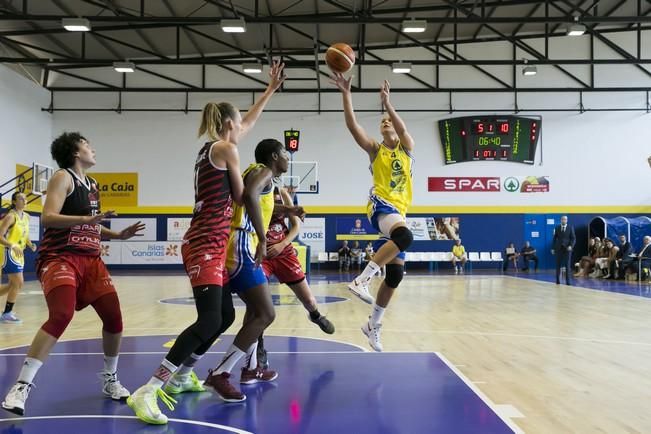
(493, 138)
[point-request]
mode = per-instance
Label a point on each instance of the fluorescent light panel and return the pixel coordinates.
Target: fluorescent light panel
(237, 25)
(401, 68)
(124, 66)
(414, 26)
(76, 24)
(529, 70)
(252, 68)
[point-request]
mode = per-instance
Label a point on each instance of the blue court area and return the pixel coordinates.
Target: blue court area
(323, 387)
(640, 289)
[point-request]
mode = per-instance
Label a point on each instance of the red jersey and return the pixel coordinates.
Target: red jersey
(278, 229)
(81, 239)
(213, 206)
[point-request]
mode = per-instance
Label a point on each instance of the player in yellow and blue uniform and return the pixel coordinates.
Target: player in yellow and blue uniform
(247, 247)
(392, 167)
(14, 237)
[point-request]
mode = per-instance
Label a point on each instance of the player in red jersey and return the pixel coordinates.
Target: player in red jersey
(70, 269)
(217, 183)
(282, 262)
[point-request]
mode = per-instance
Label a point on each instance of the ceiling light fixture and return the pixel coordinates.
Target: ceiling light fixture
(237, 25)
(124, 66)
(414, 26)
(76, 24)
(401, 68)
(252, 68)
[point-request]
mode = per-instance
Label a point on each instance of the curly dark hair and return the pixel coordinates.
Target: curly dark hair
(63, 148)
(265, 149)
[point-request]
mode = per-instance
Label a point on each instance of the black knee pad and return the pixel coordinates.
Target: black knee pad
(403, 237)
(394, 275)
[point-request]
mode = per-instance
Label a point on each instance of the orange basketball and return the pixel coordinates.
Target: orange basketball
(340, 57)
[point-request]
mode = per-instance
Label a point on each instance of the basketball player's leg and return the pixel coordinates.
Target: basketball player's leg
(395, 272)
(259, 315)
(397, 238)
(13, 287)
(61, 302)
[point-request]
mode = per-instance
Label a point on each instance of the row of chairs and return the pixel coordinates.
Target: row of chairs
(433, 258)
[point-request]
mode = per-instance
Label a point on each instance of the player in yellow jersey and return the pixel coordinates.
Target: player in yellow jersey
(389, 198)
(247, 247)
(14, 237)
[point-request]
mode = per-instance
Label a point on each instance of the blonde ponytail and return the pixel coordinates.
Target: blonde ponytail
(213, 118)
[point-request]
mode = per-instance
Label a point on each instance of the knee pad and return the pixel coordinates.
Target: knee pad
(394, 275)
(403, 238)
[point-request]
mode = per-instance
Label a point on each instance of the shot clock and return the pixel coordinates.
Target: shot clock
(291, 140)
(498, 138)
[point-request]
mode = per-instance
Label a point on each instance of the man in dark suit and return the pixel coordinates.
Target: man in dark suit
(563, 244)
(625, 249)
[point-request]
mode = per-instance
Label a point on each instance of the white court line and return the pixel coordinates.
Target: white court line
(516, 429)
(132, 353)
(91, 416)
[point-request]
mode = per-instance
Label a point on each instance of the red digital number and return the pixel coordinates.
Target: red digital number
(504, 153)
(480, 128)
(504, 128)
(491, 128)
(293, 144)
(477, 154)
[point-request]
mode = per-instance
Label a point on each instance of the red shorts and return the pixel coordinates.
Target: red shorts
(86, 273)
(285, 266)
(206, 268)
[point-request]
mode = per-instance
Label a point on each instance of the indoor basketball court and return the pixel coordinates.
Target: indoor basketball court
(463, 183)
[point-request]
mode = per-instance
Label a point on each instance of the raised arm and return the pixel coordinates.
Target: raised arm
(360, 136)
(254, 183)
(398, 124)
(276, 78)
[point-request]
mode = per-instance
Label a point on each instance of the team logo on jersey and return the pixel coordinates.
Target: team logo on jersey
(396, 165)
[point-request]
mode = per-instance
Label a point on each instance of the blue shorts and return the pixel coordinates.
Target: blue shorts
(11, 266)
(376, 208)
(243, 274)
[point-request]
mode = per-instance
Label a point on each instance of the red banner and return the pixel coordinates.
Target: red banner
(477, 184)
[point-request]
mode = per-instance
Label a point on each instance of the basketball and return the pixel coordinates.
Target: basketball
(340, 57)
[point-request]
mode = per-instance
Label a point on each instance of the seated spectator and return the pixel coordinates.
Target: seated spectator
(586, 263)
(638, 261)
(510, 255)
(616, 271)
(344, 256)
(458, 256)
(602, 263)
(356, 255)
(368, 252)
(528, 253)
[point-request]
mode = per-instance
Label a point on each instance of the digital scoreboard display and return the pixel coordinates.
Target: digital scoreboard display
(291, 140)
(492, 138)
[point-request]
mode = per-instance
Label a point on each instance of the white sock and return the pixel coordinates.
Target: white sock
(370, 270)
(29, 370)
(110, 364)
(189, 363)
(252, 356)
(162, 374)
(233, 355)
(377, 314)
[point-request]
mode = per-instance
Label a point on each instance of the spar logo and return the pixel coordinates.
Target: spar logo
(511, 184)
(466, 184)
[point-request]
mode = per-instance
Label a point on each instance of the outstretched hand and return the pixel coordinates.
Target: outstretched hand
(342, 83)
(385, 91)
(276, 75)
(132, 231)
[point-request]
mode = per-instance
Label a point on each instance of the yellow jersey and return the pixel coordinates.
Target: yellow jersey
(392, 171)
(243, 240)
(458, 251)
(18, 233)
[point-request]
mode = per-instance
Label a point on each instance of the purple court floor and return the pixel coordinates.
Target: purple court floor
(323, 387)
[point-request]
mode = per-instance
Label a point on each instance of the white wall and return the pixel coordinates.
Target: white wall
(25, 131)
(595, 158)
